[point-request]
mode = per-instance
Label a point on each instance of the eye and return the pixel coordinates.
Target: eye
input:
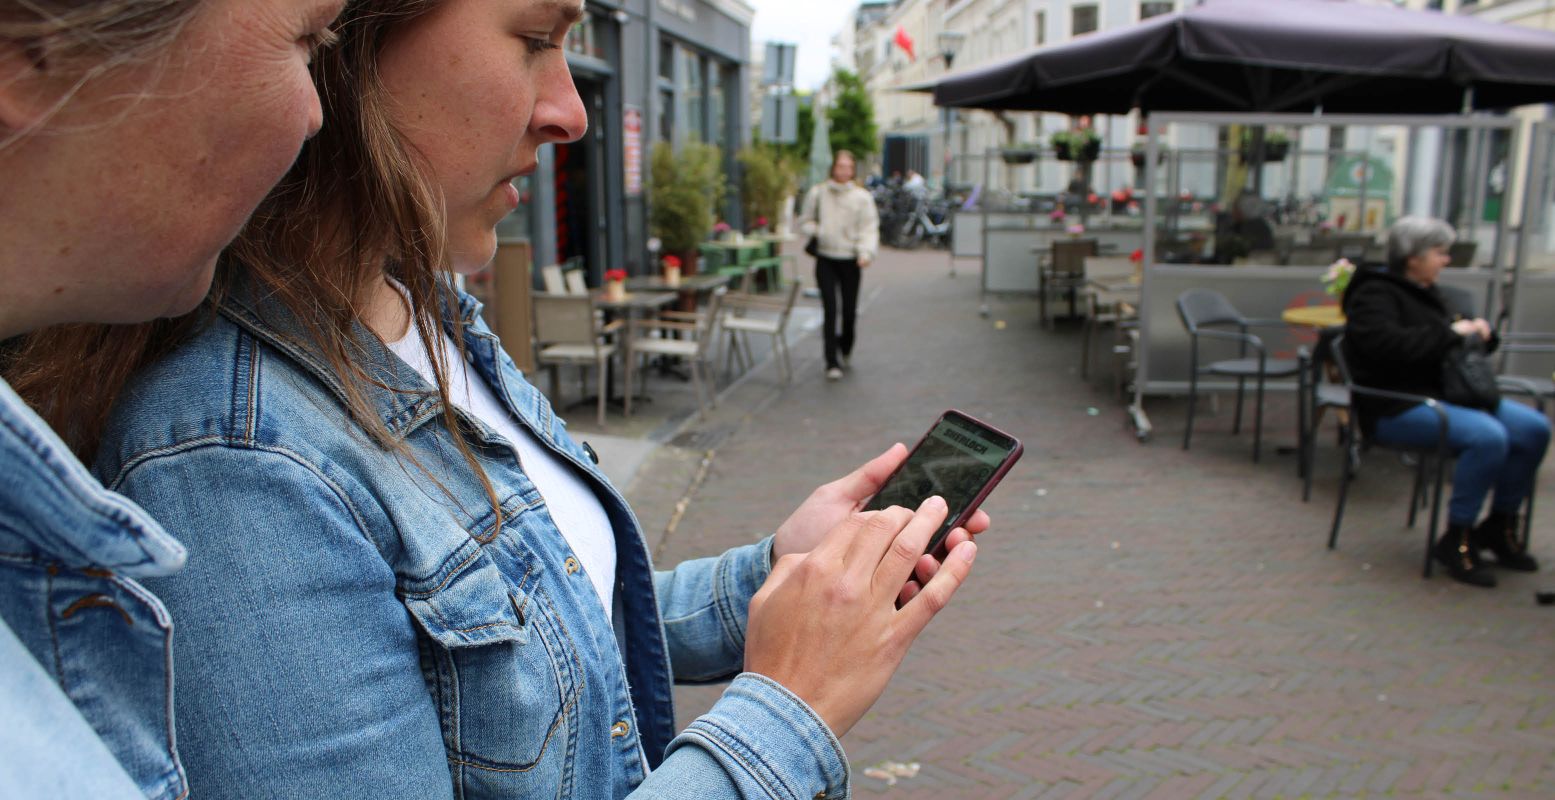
(538, 45)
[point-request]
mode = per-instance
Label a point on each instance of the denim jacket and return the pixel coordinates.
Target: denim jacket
(357, 623)
(86, 705)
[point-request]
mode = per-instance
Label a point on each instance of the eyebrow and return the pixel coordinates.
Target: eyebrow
(570, 12)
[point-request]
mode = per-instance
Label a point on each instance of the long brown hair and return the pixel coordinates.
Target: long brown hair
(358, 202)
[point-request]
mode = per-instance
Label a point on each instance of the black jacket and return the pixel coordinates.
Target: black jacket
(1396, 335)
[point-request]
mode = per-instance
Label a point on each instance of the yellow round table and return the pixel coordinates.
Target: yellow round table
(1314, 316)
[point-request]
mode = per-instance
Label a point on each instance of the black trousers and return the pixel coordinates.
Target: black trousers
(835, 277)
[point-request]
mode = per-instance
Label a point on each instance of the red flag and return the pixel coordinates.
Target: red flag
(905, 42)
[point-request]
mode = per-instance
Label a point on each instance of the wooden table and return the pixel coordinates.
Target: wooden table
(1314, 316)
(698, 284)
(631, 306)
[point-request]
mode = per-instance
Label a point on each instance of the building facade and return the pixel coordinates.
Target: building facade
(647, 71)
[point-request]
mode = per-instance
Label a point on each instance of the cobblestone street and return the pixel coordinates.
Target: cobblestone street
(1142, 621)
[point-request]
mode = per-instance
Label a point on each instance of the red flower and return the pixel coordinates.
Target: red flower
(1091, 198)
(1138, 255)
(672, 261)
(615, 274)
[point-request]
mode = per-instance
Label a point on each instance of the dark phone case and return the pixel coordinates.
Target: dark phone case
(1004, 466)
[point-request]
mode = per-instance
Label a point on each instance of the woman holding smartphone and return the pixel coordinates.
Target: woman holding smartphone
(136, 136)
(409, 580)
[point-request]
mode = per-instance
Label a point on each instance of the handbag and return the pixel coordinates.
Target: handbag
(812, 248)
(1467, 377)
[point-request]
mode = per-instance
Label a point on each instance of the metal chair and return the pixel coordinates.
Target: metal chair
(771, 320)
(1357, 443)
(1203, 312)
(1064, 271)
(568, 331)
(1316, 394)
(698, 329)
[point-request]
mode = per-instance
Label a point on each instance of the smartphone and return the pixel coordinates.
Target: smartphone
(960, 459)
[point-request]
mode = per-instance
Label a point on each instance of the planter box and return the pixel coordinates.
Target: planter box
(1015, 156)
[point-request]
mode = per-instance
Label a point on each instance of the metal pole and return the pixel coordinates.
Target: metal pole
(1136, 410)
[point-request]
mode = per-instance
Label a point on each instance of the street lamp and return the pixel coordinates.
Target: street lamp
(949, 42)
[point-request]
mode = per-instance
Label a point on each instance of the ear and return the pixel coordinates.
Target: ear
(27, 91)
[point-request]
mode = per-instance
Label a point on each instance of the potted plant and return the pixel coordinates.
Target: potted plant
(1080, 144)
(1019, 153)
(1136, 154)
(671, 270)
(684, 189)
(1276, 145)
(767, 178)
(615, 285)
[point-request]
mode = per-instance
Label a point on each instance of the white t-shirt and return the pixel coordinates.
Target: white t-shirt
(573, 506)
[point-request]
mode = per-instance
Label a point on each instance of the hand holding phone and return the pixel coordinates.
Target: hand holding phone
(960, 459)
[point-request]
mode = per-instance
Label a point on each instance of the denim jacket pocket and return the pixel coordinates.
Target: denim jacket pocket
(503, 671)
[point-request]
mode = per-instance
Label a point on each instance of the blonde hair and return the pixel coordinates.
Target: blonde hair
(86, 39)
(358, 202)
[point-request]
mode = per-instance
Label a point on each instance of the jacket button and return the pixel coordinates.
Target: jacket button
(572, 565)
(620, 729)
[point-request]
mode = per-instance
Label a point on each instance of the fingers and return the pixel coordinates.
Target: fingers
(977, 524)
(907, 546)
(862, 483)
(936, 594)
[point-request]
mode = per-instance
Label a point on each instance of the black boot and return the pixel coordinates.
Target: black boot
(1498, 533)
(1461, 560)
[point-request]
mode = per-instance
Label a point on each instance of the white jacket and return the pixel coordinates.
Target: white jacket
(848, 226)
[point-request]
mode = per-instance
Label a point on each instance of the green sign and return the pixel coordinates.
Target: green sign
(1352, 172)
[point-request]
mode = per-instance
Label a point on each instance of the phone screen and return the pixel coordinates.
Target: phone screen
(959, 459)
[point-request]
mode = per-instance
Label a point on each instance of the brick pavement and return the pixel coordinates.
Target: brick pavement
(1142, 622)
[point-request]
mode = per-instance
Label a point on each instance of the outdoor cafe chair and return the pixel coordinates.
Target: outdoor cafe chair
(552, 279)
(576, 283)
(697, 331)
(770, 319)
(568, 331)
(1315, 394)
(1206, 313)
(1356, 443)
(1064, 271)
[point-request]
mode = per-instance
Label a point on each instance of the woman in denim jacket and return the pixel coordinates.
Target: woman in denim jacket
(406, 579)
(136, 136)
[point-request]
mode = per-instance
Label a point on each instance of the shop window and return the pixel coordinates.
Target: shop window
(1040, 29)
(1083, 19)
(717, 99)
(583, 39)
(667, 59)
(1150, 9)
(666, 115)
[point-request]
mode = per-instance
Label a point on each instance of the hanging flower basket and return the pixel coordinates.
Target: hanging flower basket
(1018, 155)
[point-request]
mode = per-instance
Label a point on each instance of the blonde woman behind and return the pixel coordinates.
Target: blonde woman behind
(841, 215)
(136, 136)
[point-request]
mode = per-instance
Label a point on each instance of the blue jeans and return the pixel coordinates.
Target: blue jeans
(1501, 450)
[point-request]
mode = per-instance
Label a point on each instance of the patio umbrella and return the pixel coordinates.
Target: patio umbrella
(820, 148)
(1274, 55)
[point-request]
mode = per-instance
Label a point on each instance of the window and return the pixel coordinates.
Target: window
(667, 59)
(1082, 20)
(1155, 8)
(1040, 30)
(583, 40)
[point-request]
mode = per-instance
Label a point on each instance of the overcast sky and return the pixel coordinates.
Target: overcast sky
(810, 24)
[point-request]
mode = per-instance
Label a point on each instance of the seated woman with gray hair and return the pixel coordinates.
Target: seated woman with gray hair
(1399, 330)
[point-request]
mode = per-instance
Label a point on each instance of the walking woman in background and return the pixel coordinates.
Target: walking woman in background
(1398, 332)
(407, 579)
(841, 216)
(136, 137)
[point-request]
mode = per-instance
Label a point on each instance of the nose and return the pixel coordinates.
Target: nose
(559, 114)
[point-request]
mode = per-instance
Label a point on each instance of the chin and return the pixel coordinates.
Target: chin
(473, 255)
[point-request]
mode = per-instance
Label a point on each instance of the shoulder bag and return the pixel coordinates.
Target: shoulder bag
(812, 248)
(1467, 377)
